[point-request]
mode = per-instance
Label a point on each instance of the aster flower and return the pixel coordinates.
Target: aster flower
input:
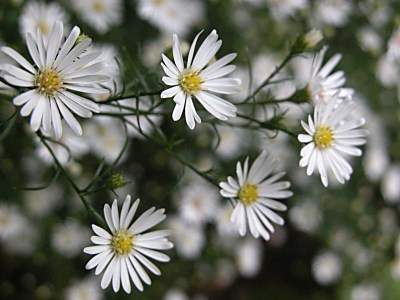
(60, 70)
(100, 14)
(199, 81)
(254, 193)
(322, 83)
(40, 15)
(123, 250)
(332, 134)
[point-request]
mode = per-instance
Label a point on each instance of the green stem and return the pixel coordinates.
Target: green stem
(91, 211)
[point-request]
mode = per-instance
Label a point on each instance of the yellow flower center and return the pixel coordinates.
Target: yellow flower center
(98, 6)
(323, 137)
(49, 81)
(248, 194)
(43, 27)
(190, 82)
(122, 242)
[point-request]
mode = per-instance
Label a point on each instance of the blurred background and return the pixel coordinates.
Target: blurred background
(340, 242)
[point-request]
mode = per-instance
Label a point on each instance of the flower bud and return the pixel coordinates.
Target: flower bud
(307, 41)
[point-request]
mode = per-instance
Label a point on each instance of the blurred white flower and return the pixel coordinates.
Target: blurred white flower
(306, 216)
(12, 221)
(387, 70)
(394, 44)
(282, 9)
(109, 57)
(333, 12)
(197, 202)
(199, 80)
(55, 79)
(369, 40)
(263, 66)
(188, 238)
(18, 235)
(327, 268)
(172, 16)
(390, 187)
(175, 294)
(86, 289)
(151, 54)
(229, 141)
(40, 15)
(101, 15)
(122, 251)
(68, 238)
(365, 291)
(68, 148)
(248, 257)
(253, 194)
(225, 228)
(105, 137)
(332, 135)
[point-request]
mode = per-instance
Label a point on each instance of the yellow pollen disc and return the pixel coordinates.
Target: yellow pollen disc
(323, 137)
(122, 242)
(43, 27)
(98, 6)
(248, 194)
(49, 81)
(190, 81)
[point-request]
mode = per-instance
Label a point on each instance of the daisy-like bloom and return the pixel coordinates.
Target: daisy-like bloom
(199, 81)
(100, 14)
(332, 134)
(60, 70)
(40, 15)
(322, 83)
(122, 251)
(254, 193)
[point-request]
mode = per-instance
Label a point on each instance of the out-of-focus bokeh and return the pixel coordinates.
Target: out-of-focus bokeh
(339, 242)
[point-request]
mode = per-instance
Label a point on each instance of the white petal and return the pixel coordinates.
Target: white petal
(19, 59)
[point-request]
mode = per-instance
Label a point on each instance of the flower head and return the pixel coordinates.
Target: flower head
(254, 193)
(199, 81)
(100, 14)
(60, 70)
(40, 15)
(123, 250)
(322, 83)
(331, 136)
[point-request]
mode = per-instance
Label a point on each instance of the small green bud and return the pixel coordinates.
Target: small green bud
(81, 38)
(115, 181)
(307, 41)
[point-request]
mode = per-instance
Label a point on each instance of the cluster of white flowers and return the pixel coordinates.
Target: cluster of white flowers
(68, 77)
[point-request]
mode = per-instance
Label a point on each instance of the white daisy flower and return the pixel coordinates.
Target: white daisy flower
(322, 83)
(122, 251)
(331, 136)
(100, 14)
(199, 80)
(253, 194)
(60, 70)
(40, 15)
